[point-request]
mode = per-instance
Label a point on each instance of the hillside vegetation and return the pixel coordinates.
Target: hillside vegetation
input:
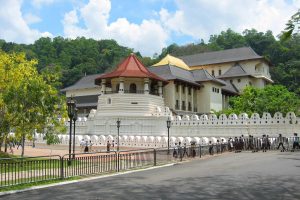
(75, 58)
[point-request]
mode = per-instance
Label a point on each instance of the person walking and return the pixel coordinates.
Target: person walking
(280, 140)
(179, 150)
(86, 147)
(218, 145)
(108, 146)
(268, 143)
(210, 149)
(250, 143)
(82, 144)
(230, 144)
(296, 142)
(90, 146)
(113, 145)
(242, 143)
(222, 145)
(185, 151)
(264, 143)
(175, 151)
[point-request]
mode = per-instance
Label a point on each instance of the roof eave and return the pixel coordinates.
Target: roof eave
(238, 60)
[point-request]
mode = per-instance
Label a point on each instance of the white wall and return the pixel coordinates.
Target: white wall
(83, 92)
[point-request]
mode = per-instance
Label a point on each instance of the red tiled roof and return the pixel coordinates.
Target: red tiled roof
(130, 67)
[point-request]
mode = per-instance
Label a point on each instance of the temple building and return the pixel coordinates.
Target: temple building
(194, 84)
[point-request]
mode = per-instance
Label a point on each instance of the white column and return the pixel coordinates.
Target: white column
(192, 96)
(103, 82)
(227, 101)
(223, 101)
(160, 88)
(146, 86)
(186, 98)
(180, 100)
(121, 86)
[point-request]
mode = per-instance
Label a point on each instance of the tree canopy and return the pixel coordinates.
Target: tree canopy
(271, 99)
(292, 26)
(74, 58)
(29, 99)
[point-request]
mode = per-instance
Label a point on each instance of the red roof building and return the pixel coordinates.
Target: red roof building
(131, 76)
(130, 67)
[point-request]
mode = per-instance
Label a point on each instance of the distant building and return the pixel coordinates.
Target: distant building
(193, 84)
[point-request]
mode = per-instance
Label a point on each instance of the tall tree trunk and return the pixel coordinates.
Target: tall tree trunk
(1, 143)
(23, 145)
(5, 144)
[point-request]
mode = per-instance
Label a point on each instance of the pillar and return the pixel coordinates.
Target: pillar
(180, 100)
(146, 86)
(160, 88)
(223, 101)
(186, 98)
(121, 86)
(103, 88)
(192, 97)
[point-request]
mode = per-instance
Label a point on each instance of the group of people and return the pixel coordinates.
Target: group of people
(182, 151)
(220, 147)
(264, 143)
(110, 146)
(86, 146)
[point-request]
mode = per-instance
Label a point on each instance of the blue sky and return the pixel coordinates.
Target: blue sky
(145, 25)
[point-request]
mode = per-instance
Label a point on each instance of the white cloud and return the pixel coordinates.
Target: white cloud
(13, 26)
(201, 18)
(148, 37)
(31, 18)
(40, 3)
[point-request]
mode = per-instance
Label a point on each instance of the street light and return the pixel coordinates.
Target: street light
(118, 125)
(71, 110)
(75, 117)
(168, 126)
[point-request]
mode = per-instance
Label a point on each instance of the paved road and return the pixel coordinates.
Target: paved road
(271, 175)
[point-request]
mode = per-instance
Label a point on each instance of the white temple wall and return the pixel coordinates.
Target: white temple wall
(192, 126)
(83, 92)
(203, 98)
(169, 95)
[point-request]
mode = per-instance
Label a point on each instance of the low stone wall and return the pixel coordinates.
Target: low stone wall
(192, 126)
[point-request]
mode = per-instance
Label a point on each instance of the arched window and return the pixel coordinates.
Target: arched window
(132, 88)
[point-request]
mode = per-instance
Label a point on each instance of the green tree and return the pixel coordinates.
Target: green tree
(293, 25)
(272, 98)
(31, 101)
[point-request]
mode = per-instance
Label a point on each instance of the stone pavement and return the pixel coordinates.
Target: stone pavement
(271, 175)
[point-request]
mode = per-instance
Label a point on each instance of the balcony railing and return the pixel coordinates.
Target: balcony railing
(132, 92)
(183, 107)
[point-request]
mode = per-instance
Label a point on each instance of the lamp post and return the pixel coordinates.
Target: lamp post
(118, 126)
(75, 117)
(168, 126)
(71, 110)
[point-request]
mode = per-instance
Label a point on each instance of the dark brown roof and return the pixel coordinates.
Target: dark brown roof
(214, 57)
(201, 75)
(235, 71)
(230, 87)
(170, 72)
(83, 83)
